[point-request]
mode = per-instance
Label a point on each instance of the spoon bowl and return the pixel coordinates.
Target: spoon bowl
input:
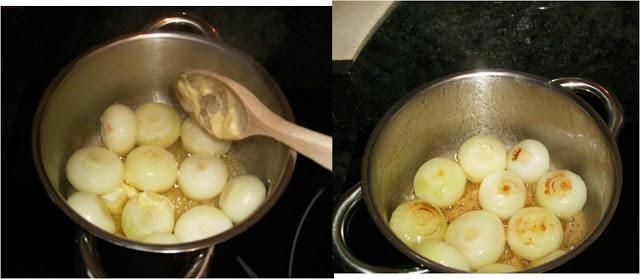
(228, 110)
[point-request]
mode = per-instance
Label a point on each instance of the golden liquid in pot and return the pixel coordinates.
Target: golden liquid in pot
(573, 228)
(180, 202)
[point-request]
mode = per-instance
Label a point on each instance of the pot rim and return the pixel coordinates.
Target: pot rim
(402, 102)
(284, 176)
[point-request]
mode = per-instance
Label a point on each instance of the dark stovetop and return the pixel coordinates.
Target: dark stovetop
(420, 42)
(293, 44)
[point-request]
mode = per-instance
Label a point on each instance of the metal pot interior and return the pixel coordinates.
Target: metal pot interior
(511, 107)
(142, 69)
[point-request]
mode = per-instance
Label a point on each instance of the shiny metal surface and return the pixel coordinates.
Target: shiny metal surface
(202, 26)
(89, 259)
(90, 266)
(350, 262)
(434, 121)
(613, 106)
(142, 68)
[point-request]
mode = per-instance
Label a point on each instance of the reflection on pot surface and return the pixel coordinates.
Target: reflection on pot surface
(142, 71)
(473, 218)
(536, 127)
(193, 180)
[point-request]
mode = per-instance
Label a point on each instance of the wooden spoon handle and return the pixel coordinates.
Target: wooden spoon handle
(316, 146)
(262, 121)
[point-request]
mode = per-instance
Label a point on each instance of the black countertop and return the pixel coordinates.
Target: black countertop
(420, 42)
(293, 44)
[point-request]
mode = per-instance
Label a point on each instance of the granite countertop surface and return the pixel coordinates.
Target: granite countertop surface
(421, 42)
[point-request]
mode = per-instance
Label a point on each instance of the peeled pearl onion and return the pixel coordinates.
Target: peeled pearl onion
(201, 222)
(241, 196)
(151, 168)
(481, 155)
(158, 124)
(91, 208)
(95, 170)
(119, 128)
(415, 221)
(529, 159)
(534, 232)
(197, 140)
(502, 193)
(497, 268)
(440, 182)
(202, 177)
(161, 238)
(563, 192)
(443, 253)
(554, 255)
(147, 214)
(478, 235)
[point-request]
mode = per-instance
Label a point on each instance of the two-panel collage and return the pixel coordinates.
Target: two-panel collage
(406, 138)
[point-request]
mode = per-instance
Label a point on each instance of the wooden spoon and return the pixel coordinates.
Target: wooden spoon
(230, 111)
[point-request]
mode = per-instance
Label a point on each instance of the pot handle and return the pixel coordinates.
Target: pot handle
(615, 113)
(88, 261)
(341, 214)
(203, 27)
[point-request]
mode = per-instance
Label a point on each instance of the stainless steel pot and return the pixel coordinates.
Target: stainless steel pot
(435, 119)
(141, 68)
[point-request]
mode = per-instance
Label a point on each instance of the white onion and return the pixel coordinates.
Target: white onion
(196, 140)
(563, 192)
(202, 177)
(497, 268)
(91, 208)
(151, 168)
(201, 222)
(440, 182)
(529, 159)
(116, 200)
(443, 253)
(119, 128)
(147, 214)
(503, 193)
(415, 221)
(554, 255)
(534, 232)
(95, 170)
(161, 238)
(158, 124)
(241, 196)
(478, 235)
(481, 155)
